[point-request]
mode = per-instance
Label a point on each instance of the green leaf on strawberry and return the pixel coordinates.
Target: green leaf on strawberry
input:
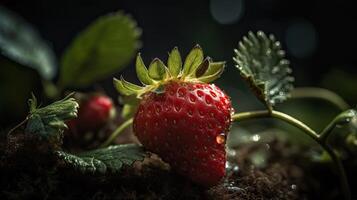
(261, 63)
(104, 47)
(102, 161)
(195, 69)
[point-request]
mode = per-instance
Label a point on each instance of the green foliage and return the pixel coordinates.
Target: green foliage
(131, 104)
(104, 47)
(154, 79)
(193, 60)
(157, 69)
(174, 62)
(50, 120)
(261, 63)
(142, 71)
(20, 42)
(106, 160)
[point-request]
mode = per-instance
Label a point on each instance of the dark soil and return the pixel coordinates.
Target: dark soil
(31, 173)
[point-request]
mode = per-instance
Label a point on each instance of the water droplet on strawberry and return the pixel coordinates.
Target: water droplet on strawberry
(221, 138)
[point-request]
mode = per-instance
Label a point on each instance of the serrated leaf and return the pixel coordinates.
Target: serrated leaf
(157, 69)
(174, 62)
(193, 60)
(50, 120)
(142, 71)
(103, 161)
(20, 42)
(104, 47)
(261, 62)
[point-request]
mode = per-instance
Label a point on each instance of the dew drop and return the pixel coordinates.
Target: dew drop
(221, 138)
(293, 187)
(256, 138)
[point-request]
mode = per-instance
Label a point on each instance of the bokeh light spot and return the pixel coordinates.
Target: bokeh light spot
(301, 39)
(227, 11)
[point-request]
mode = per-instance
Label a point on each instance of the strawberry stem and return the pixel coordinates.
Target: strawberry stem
(320, 93)
(116, 132)
(308, 131)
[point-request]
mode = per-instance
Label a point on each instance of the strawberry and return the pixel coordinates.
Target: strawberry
(180, 116)
(93, 114)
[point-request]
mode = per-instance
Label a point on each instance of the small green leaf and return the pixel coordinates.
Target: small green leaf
(104, 47)
(214, 73)
(157, 69)
(174, 62)
(50, 120)
(129, 85)
(103, 161)
(214, 67)
(261, 63)
(131, 104)
(119, 86)
(203, 67)
(193, 60)
(32, 103)
(142, 71)
(20, 42)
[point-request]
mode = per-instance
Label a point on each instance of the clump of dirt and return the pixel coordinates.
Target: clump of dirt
(150, 179)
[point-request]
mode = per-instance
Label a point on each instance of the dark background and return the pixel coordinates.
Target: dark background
(319, 36)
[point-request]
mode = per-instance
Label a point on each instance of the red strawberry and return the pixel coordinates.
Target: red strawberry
(181, 117)
(93, 114)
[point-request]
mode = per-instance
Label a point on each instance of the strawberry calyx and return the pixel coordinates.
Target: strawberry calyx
(195, 69)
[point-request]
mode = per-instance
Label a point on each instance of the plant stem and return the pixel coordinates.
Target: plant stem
(18, 125)
(320, 93)
(117, 131)
(278, 115)
(308, 131)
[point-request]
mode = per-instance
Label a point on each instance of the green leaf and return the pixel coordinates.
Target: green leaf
(50, 120)
(20, 42)
(130, 107)
(129, 85)
(104, 161)
(104, 47)
(203, 67)
(174, 62)
(262, 64)
(213, 72)
(126, 88)
(193, 60)
(142, 71)
(157, 69)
